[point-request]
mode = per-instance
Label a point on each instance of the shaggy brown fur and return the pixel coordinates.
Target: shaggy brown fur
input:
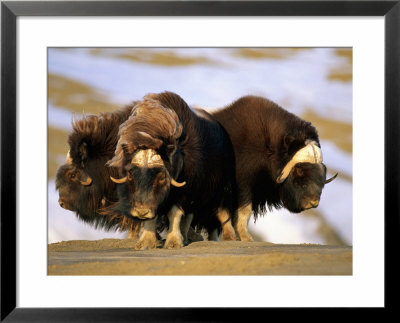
(194, 148)
(92, 143)
(265, 137)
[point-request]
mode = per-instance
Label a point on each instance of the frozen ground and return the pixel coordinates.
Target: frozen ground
(117, 257)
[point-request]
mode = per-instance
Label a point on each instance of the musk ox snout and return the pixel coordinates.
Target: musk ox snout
(303, 187)
(66, 204)
(312, 203)
(308, 196)
(142, 210)
(142, 213)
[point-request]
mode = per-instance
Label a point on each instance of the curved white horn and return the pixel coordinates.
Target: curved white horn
(87, 182)
(311, 153)
(176, 184)
(119, 180)
(331, 179)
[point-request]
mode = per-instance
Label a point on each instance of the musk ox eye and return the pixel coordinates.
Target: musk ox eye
(162, 179)
(129, 176)
(170, 149)
(73, 175)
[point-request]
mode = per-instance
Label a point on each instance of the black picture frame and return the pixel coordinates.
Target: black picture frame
(11, 10)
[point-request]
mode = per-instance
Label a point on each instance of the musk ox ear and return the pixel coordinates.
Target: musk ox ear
(298, 172)
(287, 141)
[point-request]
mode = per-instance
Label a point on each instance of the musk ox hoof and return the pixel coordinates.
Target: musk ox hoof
(146, 241)
(173, 242)
(193, 236)
(246, 237)
(228, 233)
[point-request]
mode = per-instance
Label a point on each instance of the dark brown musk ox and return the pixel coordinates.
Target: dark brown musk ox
(83, 181)
(174, 162)
(278, 159)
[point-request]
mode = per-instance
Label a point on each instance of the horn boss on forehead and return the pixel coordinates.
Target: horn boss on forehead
(311, 153)
(150, 158)
(147, 158)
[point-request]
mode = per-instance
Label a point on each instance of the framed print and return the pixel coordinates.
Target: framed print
(210, 52)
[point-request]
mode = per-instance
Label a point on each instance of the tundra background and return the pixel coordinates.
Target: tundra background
(314, 83)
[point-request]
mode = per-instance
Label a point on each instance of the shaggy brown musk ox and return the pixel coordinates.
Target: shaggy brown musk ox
(83, 183)
(278, 159)
(174, 161)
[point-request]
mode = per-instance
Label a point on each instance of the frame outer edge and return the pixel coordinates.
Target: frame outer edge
(203, 8)
(392, 148)
(8, 157)
(8, 161)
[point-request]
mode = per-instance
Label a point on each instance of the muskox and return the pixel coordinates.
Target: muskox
(278, 159)
(83, 181)
(176, 162)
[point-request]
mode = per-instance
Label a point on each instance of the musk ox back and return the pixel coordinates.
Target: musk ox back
(83, 182)
(173, 161)
(278, 158)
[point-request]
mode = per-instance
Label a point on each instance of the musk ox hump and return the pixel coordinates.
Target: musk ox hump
(311, 153)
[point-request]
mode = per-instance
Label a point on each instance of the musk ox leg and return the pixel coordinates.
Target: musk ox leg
(174, 237)
(135, 231)
(188, 233)
(244, 214)
(185, 225)
(193, 236)
(133, 234)
(213, 235)
(228, 233)
(148, 238)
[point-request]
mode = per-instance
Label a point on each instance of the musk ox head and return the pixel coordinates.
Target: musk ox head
(70, 182)
(149, 159)
(303, 178)
(76, 190)
(83, 185)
